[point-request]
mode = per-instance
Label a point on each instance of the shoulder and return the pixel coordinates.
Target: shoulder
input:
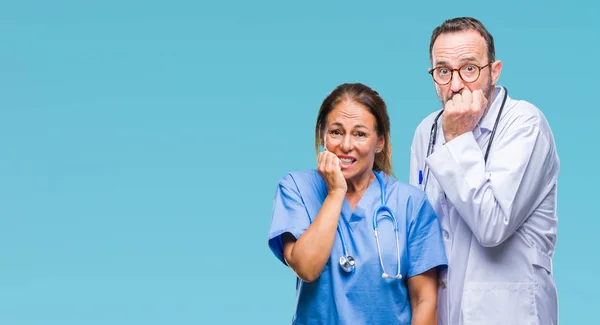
(523, 117)
(305, 176)
(302, 181)
(422, 132)
(523, 114)
(425, 125)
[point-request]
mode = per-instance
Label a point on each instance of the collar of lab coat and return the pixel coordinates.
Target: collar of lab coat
(488, 120)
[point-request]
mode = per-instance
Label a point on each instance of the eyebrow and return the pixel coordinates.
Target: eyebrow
(442, 62)
(469, 59)
(466, 59)
(356, 126)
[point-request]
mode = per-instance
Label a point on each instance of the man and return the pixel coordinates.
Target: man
(490, 172)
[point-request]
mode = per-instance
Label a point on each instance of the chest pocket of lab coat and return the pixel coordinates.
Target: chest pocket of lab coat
(501, 303)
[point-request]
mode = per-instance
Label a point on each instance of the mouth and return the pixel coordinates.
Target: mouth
(346, 162)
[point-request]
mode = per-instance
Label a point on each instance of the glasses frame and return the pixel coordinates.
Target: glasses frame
(459, 74)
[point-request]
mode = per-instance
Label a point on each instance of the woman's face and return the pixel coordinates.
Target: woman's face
(351, 134)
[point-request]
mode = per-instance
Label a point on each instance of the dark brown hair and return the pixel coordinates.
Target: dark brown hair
(464, 24)
(370, 99)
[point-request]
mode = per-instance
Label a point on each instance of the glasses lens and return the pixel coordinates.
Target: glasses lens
(442, 75)
(469, 72)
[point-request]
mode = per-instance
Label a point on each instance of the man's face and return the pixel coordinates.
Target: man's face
(454, 51)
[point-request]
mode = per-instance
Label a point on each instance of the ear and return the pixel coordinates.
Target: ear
(496, 71)
(380, 144)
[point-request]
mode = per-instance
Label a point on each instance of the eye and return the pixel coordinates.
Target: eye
(335, 132)
(443, 71)
(470, 68)
(361, 134)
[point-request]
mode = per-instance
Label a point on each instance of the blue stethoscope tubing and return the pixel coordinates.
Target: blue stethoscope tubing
(433, 136)
(347, 262)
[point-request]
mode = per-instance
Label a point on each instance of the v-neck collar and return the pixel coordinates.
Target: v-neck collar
(366, 200)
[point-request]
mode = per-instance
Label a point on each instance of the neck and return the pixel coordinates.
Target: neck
(360, 183)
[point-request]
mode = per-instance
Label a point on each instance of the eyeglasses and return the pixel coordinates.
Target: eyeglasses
(468, 73)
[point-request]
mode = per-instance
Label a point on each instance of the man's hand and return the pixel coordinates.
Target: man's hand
(462, 113)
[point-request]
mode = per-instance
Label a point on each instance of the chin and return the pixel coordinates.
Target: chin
(352, 172)
(349, 173)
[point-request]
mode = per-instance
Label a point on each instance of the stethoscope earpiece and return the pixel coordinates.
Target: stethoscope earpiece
(387, 276)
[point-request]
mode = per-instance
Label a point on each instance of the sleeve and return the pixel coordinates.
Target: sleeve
(494, 201)
(425, 245)
(289, 215)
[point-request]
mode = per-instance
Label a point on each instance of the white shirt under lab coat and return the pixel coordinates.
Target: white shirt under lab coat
(498, 219)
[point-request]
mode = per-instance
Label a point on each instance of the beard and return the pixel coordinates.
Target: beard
(487, 92)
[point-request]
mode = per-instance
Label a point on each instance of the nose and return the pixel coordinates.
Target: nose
(347, 144)
(457, 84)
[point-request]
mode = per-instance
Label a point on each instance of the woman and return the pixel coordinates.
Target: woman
(326, 227)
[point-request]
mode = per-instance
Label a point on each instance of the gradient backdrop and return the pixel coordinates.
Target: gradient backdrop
(141, 142)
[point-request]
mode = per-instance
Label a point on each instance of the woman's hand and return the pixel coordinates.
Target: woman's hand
(308, 254)
(328, 166)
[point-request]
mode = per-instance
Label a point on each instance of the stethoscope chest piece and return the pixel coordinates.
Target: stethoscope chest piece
(347, 263)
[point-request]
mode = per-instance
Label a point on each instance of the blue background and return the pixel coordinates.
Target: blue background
(141, 142)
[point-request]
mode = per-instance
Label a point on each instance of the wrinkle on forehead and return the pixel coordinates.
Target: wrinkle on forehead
(452, 47)
(350, 113)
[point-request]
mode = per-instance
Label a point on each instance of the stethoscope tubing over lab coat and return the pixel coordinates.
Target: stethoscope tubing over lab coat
(433, 137)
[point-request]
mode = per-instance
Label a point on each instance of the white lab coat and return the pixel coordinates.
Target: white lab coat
(498, 219)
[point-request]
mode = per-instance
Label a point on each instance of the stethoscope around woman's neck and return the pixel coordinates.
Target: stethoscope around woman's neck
(433, 137)
(347, 261)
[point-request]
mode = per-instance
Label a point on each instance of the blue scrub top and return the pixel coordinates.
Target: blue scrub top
(363, 296)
